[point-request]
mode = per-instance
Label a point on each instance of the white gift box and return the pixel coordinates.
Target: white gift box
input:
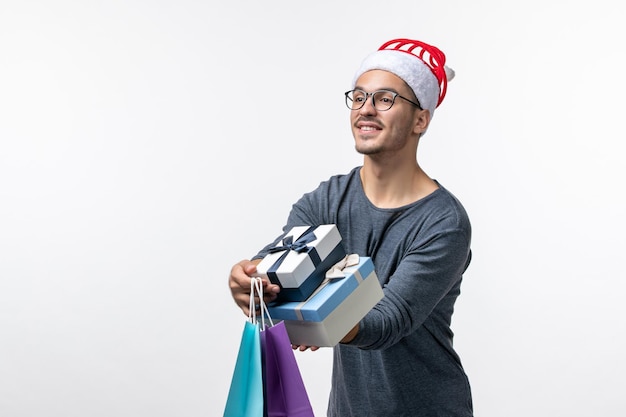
(334, 309)
(299, 262)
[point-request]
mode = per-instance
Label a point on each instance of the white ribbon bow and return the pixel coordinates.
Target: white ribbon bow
(337, 270)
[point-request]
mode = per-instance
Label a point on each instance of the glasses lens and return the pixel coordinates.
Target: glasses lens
(383, 100)
(355, 99)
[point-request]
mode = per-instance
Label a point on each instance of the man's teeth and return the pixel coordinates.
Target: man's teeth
(367, 128)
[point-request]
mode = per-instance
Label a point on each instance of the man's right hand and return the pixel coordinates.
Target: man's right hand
(239, 282)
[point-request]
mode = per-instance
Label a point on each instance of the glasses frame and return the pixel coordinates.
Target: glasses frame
(367, 95)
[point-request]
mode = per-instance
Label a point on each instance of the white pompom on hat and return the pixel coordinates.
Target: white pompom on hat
(420, 65)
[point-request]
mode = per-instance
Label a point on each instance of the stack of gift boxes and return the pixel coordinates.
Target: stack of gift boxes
(324, 291)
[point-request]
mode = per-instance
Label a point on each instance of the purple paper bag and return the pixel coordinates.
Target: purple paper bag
(284, 390)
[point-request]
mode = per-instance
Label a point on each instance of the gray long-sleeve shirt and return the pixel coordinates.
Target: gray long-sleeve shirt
(402, 362)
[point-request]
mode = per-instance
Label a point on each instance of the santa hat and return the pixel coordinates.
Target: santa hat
(420, 65)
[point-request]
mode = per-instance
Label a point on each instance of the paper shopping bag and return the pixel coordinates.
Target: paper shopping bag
(284, 390)
(245, 397)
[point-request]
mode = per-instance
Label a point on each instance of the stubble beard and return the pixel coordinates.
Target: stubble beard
(366, 150)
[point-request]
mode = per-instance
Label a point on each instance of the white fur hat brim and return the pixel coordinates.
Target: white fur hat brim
(411, 69)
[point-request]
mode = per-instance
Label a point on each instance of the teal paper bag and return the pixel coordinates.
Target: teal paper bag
(245, 397)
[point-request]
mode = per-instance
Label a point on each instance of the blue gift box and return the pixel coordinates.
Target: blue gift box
(336, 306)
(326, 297)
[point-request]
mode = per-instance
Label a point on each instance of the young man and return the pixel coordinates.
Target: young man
(399, 360)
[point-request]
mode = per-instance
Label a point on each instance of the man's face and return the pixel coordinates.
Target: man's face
(383, 131)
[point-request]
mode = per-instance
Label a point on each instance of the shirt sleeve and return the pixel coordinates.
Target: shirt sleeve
(423, 287)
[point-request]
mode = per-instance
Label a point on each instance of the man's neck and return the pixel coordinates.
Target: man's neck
(395, 186)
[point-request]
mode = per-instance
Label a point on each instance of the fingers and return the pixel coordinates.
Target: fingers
(249, 267)
(239, 283)
(271, 289)
(302, 348)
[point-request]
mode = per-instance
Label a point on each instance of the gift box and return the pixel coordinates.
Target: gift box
(336, 306)
(298, 263)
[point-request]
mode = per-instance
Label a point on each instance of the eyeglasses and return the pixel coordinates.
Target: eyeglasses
(382, 100)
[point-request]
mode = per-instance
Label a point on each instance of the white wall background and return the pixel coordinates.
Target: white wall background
(146, 146)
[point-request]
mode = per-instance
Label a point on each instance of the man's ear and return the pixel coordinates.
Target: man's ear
(422, 120)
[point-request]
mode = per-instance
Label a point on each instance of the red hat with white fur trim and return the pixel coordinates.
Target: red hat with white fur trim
(420, 65)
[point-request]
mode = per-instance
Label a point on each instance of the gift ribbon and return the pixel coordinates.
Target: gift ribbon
(299, 246)
(335, 272)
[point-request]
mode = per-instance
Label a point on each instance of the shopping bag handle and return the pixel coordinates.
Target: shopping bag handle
(256, 285)
(251, 305)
